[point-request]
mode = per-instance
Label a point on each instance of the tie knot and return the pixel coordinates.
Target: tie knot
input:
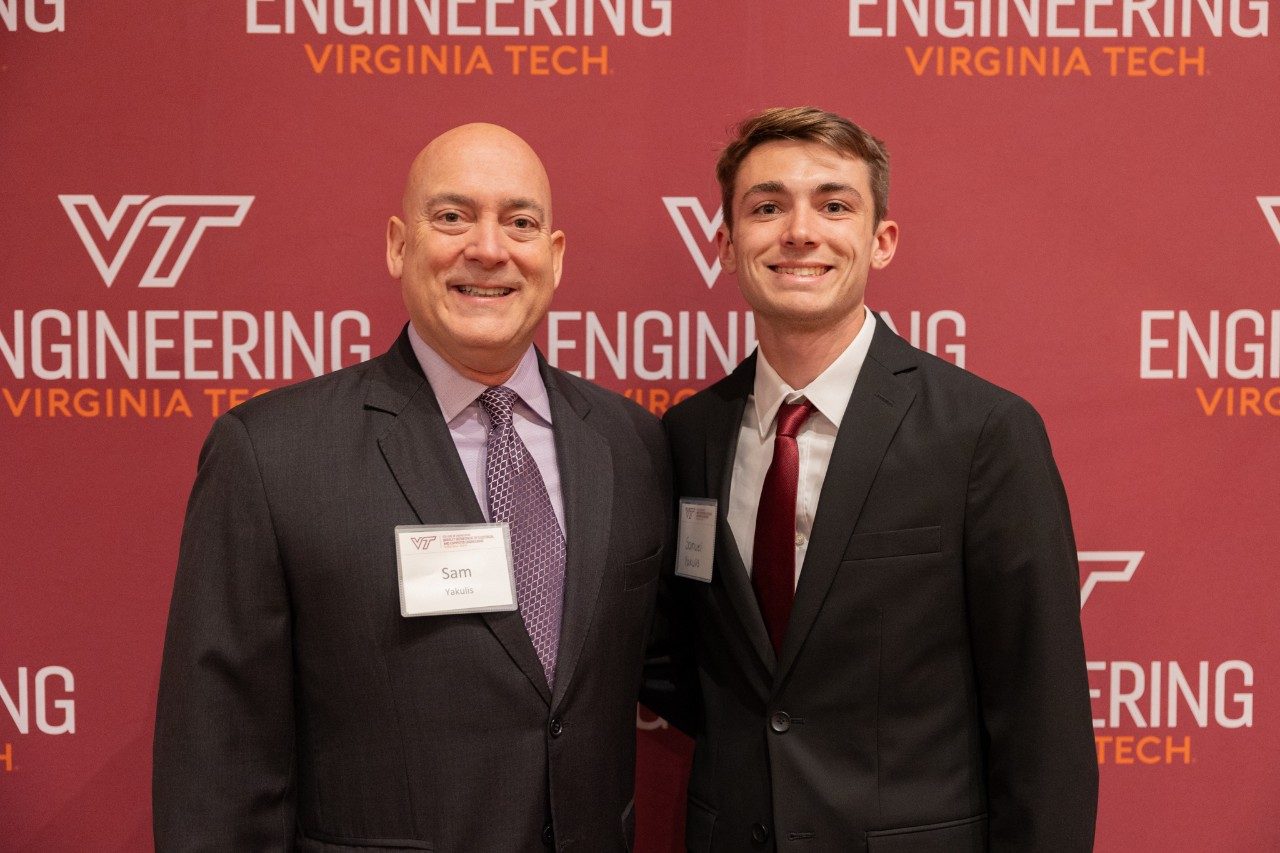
(497, 403)
(791, 416)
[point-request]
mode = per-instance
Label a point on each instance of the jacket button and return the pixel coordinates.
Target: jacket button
(759, 833)
(780, 721)
(556, 728)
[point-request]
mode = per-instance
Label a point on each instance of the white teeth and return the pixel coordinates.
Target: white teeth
(472, 290)
(802, 271)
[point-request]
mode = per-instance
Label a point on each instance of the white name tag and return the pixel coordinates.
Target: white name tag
(695, 551)
(455, 568)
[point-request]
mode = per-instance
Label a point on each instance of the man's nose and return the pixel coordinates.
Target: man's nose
(800, 230)
(487, 245)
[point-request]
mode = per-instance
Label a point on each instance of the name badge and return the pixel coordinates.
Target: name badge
(695, 551)
(455, 568)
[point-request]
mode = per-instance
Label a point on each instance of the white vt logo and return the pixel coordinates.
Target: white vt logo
(163, 211)
(1130, 559)
(1269, 205)
(676, 206)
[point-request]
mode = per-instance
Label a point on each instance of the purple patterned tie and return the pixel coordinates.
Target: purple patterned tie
(518, 496)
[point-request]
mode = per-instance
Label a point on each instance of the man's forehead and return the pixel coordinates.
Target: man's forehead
(483, 163)
(494, 175)
(480, 185)
(801, 165)
(801, 169)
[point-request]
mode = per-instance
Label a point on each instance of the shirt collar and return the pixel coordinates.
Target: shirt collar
(829, 392)
(455, 392)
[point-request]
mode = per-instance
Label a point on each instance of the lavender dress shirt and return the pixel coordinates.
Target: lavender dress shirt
(469, 425)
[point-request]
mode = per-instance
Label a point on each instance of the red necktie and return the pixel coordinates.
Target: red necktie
(773, 572)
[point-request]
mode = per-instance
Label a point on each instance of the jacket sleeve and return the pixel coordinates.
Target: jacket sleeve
(1023, 593)
(670, 687)
(223, 771)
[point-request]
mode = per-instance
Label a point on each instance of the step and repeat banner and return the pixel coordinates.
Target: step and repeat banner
(194, 205)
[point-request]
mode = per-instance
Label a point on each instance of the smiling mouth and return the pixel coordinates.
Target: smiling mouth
(801, 272)
(484, 292)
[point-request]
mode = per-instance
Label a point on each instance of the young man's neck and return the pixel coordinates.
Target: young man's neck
(800, 355)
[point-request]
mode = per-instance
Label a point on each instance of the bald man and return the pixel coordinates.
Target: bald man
(331, 682)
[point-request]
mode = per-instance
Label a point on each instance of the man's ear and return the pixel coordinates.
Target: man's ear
(886, 243)
(557, 256)
(395, 247)
(724, 247)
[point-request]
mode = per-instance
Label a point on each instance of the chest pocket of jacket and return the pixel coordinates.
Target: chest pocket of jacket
(637, 573)
(894, 543)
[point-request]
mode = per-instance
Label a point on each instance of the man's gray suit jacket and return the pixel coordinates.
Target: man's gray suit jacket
(299, 710)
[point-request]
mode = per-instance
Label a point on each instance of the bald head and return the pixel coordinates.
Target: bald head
(475, 254)
(479, 149)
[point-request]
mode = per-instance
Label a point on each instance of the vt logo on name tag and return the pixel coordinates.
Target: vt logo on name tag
(695, 550)
(455, 568)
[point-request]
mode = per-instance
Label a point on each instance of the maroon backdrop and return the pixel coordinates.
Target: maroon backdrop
(194, 200)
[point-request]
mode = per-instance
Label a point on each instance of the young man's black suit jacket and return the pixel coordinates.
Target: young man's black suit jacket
(931, 692)
(299, 710)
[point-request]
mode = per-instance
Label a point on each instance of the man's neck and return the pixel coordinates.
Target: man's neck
(487, 368)
(483, 374)
(800, 355)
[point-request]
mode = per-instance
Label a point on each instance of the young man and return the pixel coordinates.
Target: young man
(887, 655)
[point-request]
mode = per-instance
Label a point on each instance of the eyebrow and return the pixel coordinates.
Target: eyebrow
(448, 198)
(829, 188)
(765, 187)
(525, 204)
(507, 204)
(833, 187)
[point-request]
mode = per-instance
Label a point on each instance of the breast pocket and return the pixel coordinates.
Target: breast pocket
(637, 573)
(894, 543)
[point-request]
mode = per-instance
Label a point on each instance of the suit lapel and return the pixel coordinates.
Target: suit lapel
(586, 483)
(414, 443)
(722, 446)
(419, 450)
(881, 397)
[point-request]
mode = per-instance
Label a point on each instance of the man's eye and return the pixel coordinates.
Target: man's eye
(836, 207)
(524, 223)
(451, 216)
(768, 208)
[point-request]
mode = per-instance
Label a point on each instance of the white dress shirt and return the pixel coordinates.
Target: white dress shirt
(829, 393)
(469, 425)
